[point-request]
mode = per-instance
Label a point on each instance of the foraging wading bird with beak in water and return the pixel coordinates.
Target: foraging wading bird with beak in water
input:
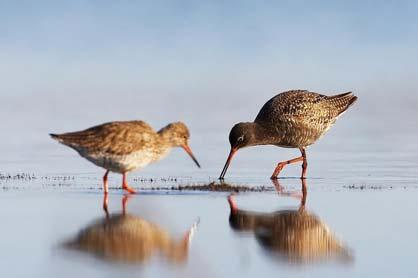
(292, 119)
(295, 236)
(130, 239)
(122, 147)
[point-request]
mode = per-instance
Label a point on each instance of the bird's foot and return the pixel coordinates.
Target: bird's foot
(128, 189)
(278, 169)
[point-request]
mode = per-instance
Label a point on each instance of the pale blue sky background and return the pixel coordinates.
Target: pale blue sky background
(196, 47)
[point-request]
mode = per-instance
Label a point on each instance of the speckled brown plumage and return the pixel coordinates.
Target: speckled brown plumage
(292, 119)
(127, 238)
(124, 146)
(298, 118)
(297, 236)
(121, 138)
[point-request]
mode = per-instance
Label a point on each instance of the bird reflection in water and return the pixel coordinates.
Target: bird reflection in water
(294, 236)
(128, 238)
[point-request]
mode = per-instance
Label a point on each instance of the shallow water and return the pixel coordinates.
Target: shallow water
(362, 187)
(374, 226)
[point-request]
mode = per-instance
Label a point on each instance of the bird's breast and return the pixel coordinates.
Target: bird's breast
(298, 134)
(121, 163)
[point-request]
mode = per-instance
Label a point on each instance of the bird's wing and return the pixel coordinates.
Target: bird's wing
(117, 138)
(304, 109)
(340, 103)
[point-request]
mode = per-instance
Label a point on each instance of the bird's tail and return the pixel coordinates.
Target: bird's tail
(342, 102)
(56, 137)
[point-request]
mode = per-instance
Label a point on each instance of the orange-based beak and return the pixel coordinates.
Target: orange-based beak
(228, 161)
(189, 151)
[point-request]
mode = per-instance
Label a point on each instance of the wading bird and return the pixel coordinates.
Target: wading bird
(292, 119)
(127, 238)
(292, 235)
(122, 147)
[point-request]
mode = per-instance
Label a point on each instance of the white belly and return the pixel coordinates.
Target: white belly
(122, 163)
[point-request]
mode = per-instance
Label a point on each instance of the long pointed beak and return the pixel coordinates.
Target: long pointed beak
(189, 151)
(228, 161)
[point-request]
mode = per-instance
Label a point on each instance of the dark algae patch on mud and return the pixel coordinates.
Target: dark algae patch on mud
(212, 187)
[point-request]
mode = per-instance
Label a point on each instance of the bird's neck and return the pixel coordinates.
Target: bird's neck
(162, 145)
(165, 137)
(263, 135)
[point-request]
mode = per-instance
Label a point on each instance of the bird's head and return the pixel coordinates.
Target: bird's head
(241, 135)
(177, 135)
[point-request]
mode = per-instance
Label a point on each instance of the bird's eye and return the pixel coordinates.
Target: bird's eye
(241, 138)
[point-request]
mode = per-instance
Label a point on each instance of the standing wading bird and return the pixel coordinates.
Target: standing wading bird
(122, 147)
(127, 238)
(294, 236)
(292, 119)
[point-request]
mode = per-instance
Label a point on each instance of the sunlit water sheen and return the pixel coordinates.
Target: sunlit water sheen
(362, 188)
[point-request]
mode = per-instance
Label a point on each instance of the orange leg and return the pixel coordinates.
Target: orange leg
(304, 164)
(125, 185)
(281, 165)
(232, 204)
(124, 203)
(304, 194)
(281, 191)
(105, 202)
(105, 187)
